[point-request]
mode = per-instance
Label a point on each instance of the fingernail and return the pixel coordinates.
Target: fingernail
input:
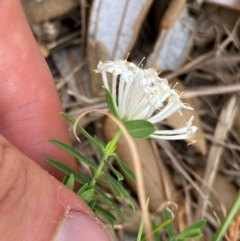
(78, 226)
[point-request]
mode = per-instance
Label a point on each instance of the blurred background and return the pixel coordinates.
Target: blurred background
(194, 43)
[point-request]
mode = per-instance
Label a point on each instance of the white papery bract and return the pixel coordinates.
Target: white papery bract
(141, 94)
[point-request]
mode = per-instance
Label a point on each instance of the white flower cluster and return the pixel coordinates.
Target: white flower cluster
(140, 94)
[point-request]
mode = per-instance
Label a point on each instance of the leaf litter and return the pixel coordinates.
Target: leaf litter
(208, 71)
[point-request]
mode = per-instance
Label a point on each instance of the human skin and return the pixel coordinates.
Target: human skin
(34, 205)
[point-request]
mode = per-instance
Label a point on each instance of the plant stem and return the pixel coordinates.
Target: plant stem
(109, 150)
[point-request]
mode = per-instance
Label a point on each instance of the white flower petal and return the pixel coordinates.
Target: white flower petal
(142, 94)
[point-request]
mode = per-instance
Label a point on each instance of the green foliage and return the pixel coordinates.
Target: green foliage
(93, 140)
(156, 236)
(189, 233)
(120, 189)
(107, 215)
(60, 166)
(111, 188)
(70, 181)
(140, 230)
(167, 216)
(109, 100)
(228, 219)
(90, 193)
(102, 197)
(139, 128)
(91, 189)
(74, 152)
(118, 175)
(192, 231)
(124, 168)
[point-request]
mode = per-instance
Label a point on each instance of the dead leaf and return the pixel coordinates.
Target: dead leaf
(233, 4)
(154, 186)
(172, 13)
(117, 24)
(237, 121)
(234, 227)
(219, 201)
(41, 11)
(97, 51)
(173, 45)
(178, 121)
(225, 123)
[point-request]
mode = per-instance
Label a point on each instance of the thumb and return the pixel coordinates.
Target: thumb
(35, 206)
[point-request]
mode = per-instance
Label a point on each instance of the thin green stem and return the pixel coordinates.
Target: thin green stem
(109, 150)
(228, 219)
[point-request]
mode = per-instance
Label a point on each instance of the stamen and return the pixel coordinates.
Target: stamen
(179, 92)
(140, 94)
(141, 61)
(175, 85)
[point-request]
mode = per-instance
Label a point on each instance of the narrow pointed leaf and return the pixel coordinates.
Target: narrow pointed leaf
(104, 198)
(110, 102)
(65, 169)
(156, 234)
(87, 195)
(140, 230)
(92, 203)
(196, 225)
(64, 181)
(190, 234)
(82, 189)
(139, 128)
(124, 168)
(227, 220)
(109, 186)
(74, 152)
(118, 175)
(83, 131)
(70, 181)
(106, 214)
(169, 227)
(120, 189)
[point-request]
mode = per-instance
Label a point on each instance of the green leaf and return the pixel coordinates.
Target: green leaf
(92, 203)
(85, 177)
(83, 131)
(107, 215)
(139, 128)
(190, 234)
(70, 181)
(110, 101)
(74, 152)
(109, 186)
(169, 228)
(127, 171)
(64, 181)
(118, 175)
(156, 235)
(196, 225)
(159, 227)
(82, 189)
(100, 150)
(120, 189)
(105, 199)
(87, 195)
(65, 169)
(140, 230)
